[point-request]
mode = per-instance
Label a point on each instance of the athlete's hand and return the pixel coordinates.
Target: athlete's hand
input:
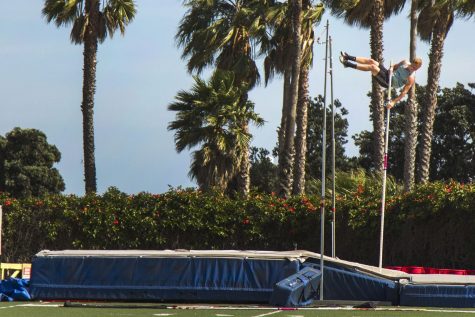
(390, 104)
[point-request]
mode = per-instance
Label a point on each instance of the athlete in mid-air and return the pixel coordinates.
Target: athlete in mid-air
(403, 73)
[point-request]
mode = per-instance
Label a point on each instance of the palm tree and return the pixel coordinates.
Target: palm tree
(435, 20)
(311, 16)
(286, 157)
(211, 116)
(277, 50)
(91, 21)
(220, 33)
(370, 14)
(410, 111)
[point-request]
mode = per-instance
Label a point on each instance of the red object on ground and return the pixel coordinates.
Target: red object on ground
(431, 270)
(416, 270)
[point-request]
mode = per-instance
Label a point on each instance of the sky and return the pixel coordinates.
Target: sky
(139, 74)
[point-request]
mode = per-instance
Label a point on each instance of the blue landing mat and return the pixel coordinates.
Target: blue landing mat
(233, 280)
(456, 296)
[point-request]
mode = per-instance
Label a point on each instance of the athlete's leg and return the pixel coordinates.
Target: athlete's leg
(366, 65)
(358, 59)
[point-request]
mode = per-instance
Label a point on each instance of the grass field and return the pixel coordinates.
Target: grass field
(58, 310)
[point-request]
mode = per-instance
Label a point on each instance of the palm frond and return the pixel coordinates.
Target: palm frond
(118, 14)
(62, 12)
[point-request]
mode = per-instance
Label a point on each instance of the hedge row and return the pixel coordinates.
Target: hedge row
(432, 226)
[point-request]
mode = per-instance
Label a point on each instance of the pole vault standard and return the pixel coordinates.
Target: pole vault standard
(385, 168)
(324, 147)
(333, 154)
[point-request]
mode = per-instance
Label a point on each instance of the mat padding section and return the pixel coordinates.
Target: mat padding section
(456, 296)
(345, 284)
(233, 280)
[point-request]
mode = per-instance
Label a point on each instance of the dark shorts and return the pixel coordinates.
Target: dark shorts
(383, 76)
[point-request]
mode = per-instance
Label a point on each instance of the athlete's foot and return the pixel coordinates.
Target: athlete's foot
(344, 61)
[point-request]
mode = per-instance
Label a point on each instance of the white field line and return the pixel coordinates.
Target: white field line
(39, 305)
(270, 313)
(393, 309)
(31, 305)
(434, 310)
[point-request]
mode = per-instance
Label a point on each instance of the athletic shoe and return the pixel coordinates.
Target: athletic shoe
(343, 61)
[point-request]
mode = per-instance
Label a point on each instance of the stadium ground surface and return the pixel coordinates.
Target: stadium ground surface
(57, 309)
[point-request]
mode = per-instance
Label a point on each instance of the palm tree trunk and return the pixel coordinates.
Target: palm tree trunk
(285, 108)
(377, 111)
(244, 173)
(286, 160)
(301, 135)
(410, 127)
(435, 65)
(88, 91)
(2, 165)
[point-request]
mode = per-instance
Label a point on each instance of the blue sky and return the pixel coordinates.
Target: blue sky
(139, 74)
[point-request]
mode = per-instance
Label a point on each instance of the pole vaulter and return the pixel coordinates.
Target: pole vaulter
(400, 75)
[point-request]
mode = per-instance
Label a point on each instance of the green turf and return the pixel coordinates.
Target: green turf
(43, 310)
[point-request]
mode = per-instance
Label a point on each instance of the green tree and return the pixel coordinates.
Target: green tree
(211, 116)
(220, 33)
(314, 139)
(453, 151)
(452, 142)
(3, 142)
(435, 20)
(91, 21)
(28, 161)
(263, 171)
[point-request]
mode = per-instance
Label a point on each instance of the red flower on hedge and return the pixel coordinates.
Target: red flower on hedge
(7, 203)
(115, 222)
(291, 209)
(246, 221)
(360, 189)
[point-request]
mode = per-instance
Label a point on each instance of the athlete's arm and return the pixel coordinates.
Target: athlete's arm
(410, 82)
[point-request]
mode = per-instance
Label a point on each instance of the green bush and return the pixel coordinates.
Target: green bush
(430, 226)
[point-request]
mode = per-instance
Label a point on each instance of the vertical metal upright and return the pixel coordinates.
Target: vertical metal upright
(385, 168)
(333, 154)
(324, 148)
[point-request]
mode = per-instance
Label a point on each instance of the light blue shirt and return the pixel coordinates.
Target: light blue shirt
(400, 77)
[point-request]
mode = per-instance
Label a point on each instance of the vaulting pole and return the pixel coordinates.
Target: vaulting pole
(324, 148)
(333, 154)
(385, 168)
